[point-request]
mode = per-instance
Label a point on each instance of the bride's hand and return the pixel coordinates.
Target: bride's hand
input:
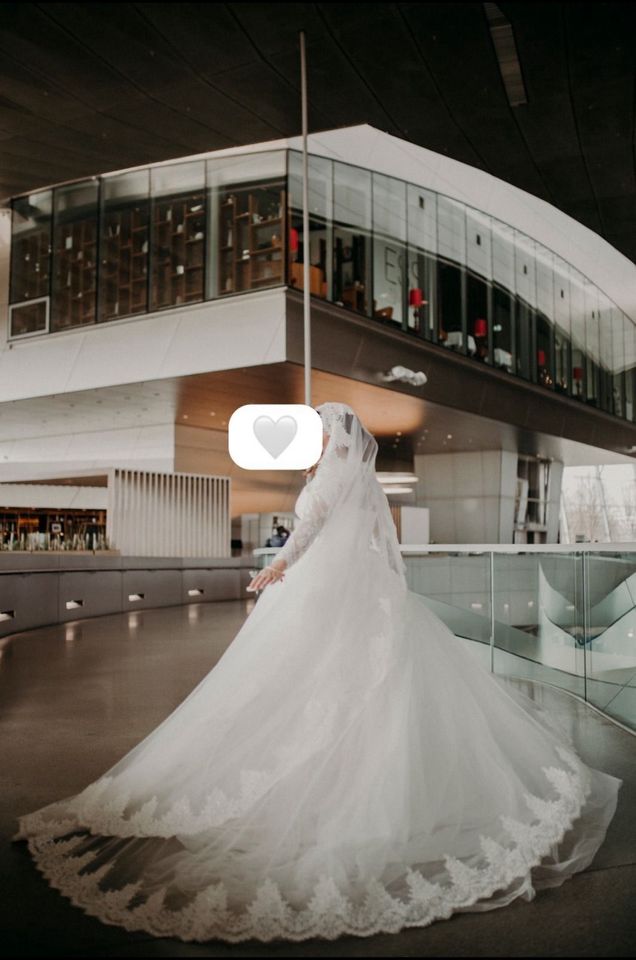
(267, 575)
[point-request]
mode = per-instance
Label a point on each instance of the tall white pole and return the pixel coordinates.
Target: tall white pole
(306, 258)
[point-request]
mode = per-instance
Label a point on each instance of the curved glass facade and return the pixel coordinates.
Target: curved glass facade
(121, 245)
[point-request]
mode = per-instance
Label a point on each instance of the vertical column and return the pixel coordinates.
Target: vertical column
(470, 495)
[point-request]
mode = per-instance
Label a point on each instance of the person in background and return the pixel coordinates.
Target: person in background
(282, 534)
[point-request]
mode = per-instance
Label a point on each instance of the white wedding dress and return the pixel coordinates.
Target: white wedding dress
(347, 767)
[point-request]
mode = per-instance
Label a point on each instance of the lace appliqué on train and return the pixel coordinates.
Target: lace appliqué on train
(106, 815)
(329, 913)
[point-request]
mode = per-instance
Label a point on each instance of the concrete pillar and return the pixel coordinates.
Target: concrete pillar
(470, 495)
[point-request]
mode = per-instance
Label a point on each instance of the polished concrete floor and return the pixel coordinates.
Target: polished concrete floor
(76, 698)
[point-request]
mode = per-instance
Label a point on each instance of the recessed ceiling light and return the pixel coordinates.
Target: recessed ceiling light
(185, 416)
(449, 436)
(212, 413)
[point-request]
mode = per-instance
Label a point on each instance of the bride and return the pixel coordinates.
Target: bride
(347, 767)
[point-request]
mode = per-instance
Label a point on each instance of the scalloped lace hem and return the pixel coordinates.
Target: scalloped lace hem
(94, 810)
(329, 913)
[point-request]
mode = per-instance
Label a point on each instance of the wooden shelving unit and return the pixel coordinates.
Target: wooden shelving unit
(31, 259)
(74, 288)
(252, 237)
(124, 263)
(178, 251)
(30, 279)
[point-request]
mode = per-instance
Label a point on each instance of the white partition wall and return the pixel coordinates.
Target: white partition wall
(154, 514)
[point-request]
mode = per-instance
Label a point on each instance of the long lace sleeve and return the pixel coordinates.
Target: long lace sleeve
(315, 512)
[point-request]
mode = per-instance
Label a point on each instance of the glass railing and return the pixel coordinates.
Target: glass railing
(550, 613)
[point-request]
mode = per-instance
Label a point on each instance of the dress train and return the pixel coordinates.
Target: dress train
(322, 781)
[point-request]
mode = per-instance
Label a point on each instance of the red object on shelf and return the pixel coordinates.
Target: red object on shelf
(541, 358)
(481, 327)
(577, 373)
(416, 297)
(293, 240)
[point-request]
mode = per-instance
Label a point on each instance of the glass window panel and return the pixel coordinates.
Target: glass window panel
(525, 268)
(389, 249)
(477, 314)
(178, 234)
(526, 298)
(451, 305)
(422, 218)
(503, 329)
(30, 261)
(592, 343)
(389, 280)
(451, 229)
(545, 280)
(74, 254)
(320, 187)
(524, 320)
(352, 196)
(606, 371)
(577, 326)
(478, 243)
(545, 339)
(29, 317)
(124, 243)
(503, 254)
(561, 315)
(503, 270)
(352, 238)
(422, 266)
(320, 202)
(617, 358)
(247, 222)
(389, 207)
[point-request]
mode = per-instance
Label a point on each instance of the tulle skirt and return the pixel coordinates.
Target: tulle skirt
(341, 770)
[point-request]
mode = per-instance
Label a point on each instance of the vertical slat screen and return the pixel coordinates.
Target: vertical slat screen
(172, 515)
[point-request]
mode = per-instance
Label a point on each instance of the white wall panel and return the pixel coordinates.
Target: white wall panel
(223, 334)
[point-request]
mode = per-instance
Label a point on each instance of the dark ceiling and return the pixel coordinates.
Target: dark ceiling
(93, 87)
